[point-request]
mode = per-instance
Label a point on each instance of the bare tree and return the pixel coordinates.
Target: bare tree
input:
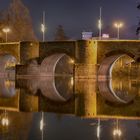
(138, 28)
(17, 17)
(60, 34)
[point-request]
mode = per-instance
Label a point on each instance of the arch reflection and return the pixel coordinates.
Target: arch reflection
(57, 88)
(7, 65)
(7, 88)
(54, 88)
(117, 91)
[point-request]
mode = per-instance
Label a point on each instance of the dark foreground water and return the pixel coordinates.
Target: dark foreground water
(26, 126)
(61, 108)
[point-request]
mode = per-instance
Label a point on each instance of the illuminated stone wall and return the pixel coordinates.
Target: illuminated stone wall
(48, 48)
(11, 48)
(27, 69)
(86, 59)
(126, 66)
(87, 54)
(28, 50)
(110, 47)
(22, 51)
(28, 102)
(85, 101)
(83, 52)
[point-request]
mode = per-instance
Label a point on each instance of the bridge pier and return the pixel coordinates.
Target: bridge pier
(86, 98)
(86, 59)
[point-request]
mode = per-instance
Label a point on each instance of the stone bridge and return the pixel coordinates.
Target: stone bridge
(89, 56)
(108, 52)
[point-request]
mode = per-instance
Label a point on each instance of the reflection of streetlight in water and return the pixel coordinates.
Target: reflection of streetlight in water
(42, 124)
(71, 61)
(98, 129)
(71, 81)
(5, 120)
(117, 131)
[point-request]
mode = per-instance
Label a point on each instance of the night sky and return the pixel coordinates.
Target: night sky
(82, 15)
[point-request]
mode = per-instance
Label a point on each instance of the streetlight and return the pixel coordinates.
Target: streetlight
(100, 24)
(43, 27)
(6, 31)
(43, 32)
(118, 25)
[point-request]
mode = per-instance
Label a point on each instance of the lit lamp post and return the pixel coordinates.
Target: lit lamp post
(43, 32)
(118, 25)
(43, 27)
(100, 24)
(6, 31)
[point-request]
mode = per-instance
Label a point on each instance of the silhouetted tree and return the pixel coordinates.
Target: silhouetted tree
(138, 28)
(60, 34)
(17, 17)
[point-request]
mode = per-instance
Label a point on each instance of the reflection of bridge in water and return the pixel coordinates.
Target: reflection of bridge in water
(60, 95)
(119, 96)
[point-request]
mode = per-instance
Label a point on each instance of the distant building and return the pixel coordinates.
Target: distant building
(87, 35)
(105, 36)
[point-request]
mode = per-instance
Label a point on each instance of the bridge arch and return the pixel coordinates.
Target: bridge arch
(119, 51)
(57, 65)
(106, 66)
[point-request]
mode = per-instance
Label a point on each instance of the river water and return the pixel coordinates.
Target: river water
(63, 108)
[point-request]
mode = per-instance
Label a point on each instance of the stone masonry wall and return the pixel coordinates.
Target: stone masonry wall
(11, 48)
(131, 47)
(28, 50)
(86, 59)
